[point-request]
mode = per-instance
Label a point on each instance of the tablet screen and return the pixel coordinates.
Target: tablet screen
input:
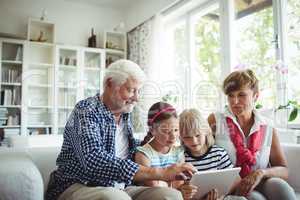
(222, 180)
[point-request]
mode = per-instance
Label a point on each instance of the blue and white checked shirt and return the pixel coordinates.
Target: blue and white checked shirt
(88, 151)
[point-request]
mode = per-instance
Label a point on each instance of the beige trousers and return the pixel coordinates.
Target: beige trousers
(81, 192)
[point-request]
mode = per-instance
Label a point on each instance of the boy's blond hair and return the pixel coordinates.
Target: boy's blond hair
(191, 120)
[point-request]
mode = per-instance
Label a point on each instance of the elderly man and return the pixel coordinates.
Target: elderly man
(95, 161)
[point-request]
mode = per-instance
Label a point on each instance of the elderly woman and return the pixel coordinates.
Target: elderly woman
(252, 143)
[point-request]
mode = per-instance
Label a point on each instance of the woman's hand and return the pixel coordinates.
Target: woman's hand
(248, 183)
(187, 190)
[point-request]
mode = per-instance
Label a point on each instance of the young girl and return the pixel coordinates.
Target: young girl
(159, 148)
(198, 143)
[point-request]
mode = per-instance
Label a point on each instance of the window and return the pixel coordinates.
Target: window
(205, 63)
(200, 45)
(192, 59)
(174, 64)
(254, 46)
(293, 47)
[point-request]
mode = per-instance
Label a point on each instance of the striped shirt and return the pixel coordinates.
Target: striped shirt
(157, 159)
(215, 158)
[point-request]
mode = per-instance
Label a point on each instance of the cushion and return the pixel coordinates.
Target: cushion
(20, 178)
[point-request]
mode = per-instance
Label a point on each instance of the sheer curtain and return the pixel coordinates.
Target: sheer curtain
(144, 49)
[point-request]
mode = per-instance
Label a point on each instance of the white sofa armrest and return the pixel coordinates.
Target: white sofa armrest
(19, 177)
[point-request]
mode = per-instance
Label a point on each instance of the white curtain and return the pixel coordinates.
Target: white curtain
(144, 49)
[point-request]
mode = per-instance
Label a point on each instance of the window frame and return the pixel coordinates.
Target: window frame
(227, 27)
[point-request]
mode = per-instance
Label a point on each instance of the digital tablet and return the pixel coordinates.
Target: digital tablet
(221, 179)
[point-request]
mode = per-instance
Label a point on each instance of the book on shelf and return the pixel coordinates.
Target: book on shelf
(10, 75)
(4, 142)
(3, 112)
(11, 131)
(39, 131)
(3, 116)
(11, 96)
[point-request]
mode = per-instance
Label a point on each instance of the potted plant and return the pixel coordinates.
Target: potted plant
(282, 114)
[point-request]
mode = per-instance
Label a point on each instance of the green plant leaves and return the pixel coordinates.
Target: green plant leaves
(258, 106)
(293, 114)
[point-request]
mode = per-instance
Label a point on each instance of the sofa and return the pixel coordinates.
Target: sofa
(24, 172)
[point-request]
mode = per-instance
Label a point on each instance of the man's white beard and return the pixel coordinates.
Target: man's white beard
(129, 107)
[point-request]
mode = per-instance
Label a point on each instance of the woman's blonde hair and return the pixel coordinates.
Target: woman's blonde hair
(191, 120)
(240, 79)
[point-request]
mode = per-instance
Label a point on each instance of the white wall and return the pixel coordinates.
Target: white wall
(73, 20)
(141, 10)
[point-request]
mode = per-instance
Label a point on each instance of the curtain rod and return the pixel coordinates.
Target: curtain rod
(173, 6)
(176, 4)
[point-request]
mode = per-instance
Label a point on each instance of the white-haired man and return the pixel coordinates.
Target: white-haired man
(95, 161)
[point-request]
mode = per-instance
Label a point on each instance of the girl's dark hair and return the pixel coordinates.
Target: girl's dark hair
(158, 112)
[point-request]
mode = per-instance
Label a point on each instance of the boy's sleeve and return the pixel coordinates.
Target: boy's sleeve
(224, 161)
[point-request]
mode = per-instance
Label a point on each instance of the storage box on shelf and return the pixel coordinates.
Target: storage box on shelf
(115, 46)
(11, 68)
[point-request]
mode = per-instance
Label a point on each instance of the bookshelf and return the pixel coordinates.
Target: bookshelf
(41, 81)
(11, 70)
(115, 46)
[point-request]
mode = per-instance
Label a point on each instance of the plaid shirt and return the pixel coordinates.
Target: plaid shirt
(88, 151)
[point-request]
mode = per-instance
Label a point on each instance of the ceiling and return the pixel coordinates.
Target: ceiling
(119, 4)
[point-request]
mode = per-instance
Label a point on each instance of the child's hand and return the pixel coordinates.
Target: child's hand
(187, 190)
(213, 195)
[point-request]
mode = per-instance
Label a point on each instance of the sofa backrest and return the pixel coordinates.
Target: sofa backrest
(45, 160)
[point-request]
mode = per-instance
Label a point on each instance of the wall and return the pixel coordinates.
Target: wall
(73, 20)
(142, 10)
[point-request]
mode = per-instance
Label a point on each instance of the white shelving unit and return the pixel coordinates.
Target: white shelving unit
(11, 70)
(78, 69)
(115, 46)
(38, 81)
(42, 81)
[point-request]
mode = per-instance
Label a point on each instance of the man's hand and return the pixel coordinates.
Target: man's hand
(248, 183)
(182, 171)
(187, 190)
(174, 172)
